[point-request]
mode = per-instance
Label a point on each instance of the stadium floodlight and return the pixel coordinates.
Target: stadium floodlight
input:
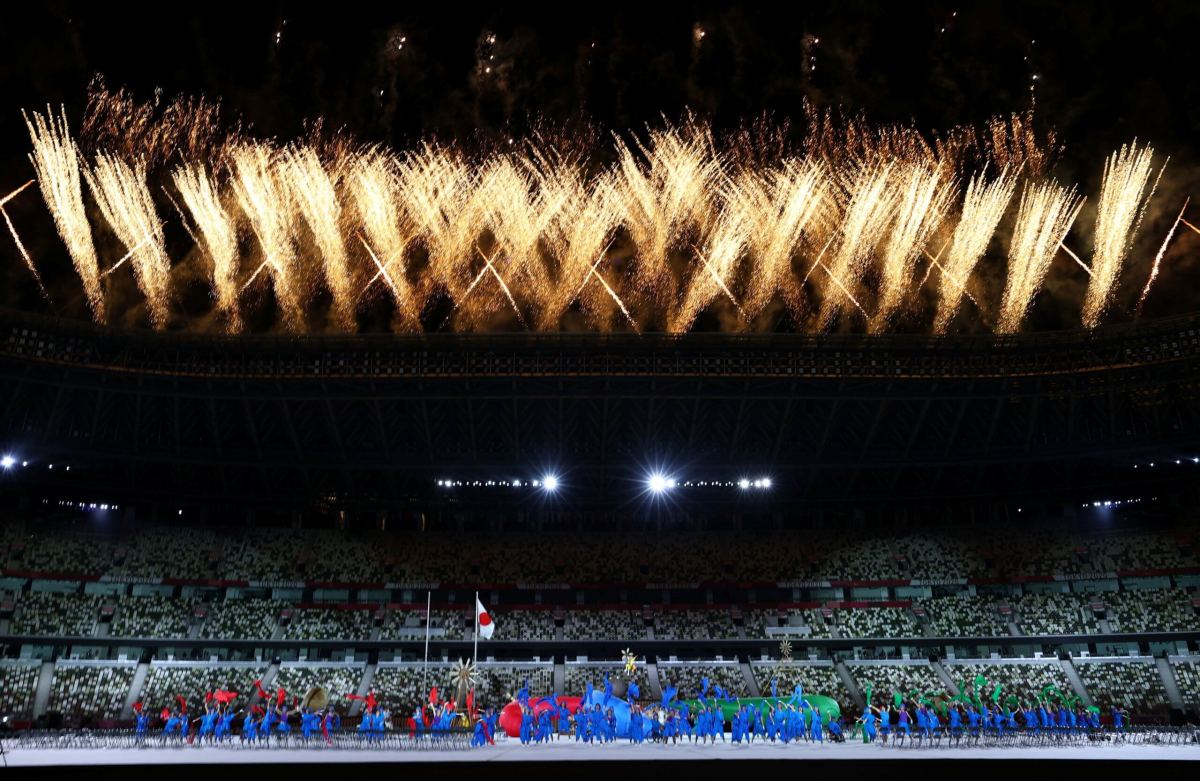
(766, 482)
(7, 461)
(743, 484)
(659, 483)
(550, 483)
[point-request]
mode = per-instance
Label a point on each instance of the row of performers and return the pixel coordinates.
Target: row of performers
(783, 722)
(273, 719)
(880, 722)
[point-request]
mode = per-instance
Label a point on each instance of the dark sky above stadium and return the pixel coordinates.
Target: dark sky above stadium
(1101, 73)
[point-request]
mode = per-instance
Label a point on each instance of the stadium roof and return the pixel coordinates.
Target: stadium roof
(380, 418)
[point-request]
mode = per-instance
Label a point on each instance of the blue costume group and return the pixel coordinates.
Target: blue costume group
(960, 721)
(215, 725)
(603, 718)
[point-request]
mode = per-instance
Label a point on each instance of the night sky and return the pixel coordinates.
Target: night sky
(1101, 74)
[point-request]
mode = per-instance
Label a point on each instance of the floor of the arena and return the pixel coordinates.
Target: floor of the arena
(571, 753)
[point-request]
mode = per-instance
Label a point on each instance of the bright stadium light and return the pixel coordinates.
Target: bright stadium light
(766, 482)
(659, 483)
(743, 484)
(550, 483)
(7, 461)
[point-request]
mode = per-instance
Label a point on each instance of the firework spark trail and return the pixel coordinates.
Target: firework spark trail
(817, 262)
(592, 272)
(500, 280)
(55, 160)
(934, 261)
(382, 272)
(374, 189)
(719, 258)
(518, 205)
(781, 208)
(1162, 251)
(983, 206)
(17, 192)
(124, 199)
(581, 232)
(1044, 216)
(1123, 201)
(263, 196)
(17, 239)
(128, 254)
(843, 288)
(924, 199)
(1078, 260)
(613, 294)
(867, 217)
(436, 186)
(217, 236)
(665, 197)
(317, 201)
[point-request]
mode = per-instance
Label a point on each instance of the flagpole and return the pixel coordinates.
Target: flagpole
(475, 652)
(425, 671)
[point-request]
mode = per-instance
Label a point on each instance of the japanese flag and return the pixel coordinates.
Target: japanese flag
(483, 620)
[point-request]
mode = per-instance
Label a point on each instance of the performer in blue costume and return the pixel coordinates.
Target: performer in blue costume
(579, 723)
(266, 725)
(282, 726)
(249, 727)
(868, 722)
(171, 726)
(525, 733)
(143, 724)
(817, 731)
(225, 727)
(365, 725)
(635, 725)
(207, 724)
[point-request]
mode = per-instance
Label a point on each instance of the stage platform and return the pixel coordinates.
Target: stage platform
(569, 752)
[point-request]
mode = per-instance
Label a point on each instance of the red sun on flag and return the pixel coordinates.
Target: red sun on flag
(483, 620)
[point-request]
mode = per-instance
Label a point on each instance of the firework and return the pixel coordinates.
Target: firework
(675, 226)
(866, 219)
(124, 199)
(1162, 250)
(216, 232)
(263, 194)
(317, 201)
(780, 209)
(665, 197)
(578, 239)
(983, 206)
(1123, 200)
(1044, 216)
(716, 265)
(924, 196)
(436, 186)
(515, 210)
(55, 160)
(12, 229)
(374, 189)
